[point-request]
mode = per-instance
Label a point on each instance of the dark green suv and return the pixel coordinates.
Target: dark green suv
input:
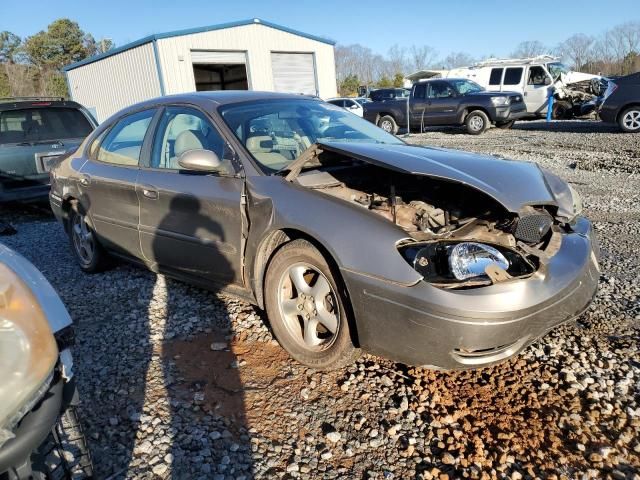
(33, 133)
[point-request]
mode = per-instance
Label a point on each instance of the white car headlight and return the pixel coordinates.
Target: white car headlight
(500, 101)
(28, 351)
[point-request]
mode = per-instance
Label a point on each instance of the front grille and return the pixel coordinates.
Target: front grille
(533, 227)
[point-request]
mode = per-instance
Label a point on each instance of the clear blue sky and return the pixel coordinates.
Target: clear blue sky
(489, 27)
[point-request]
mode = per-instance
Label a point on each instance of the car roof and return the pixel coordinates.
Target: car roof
(217, 98)
(16, 103)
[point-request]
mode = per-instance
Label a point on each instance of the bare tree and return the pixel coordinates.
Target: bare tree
(422, 57)
(397, 60)
(529, 48)
(457, 59)
(577, 49)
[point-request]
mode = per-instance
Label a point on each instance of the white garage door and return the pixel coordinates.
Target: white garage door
(216, 56)
(294, 73)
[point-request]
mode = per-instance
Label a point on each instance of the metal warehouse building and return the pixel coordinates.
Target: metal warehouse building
(252, 54)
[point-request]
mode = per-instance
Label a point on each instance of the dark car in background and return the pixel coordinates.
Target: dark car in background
(621, 103)
(450, 101)
(347, 236)
(381, 94)
(34, 132)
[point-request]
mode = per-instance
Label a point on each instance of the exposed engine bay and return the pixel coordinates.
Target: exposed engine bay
(438, 214)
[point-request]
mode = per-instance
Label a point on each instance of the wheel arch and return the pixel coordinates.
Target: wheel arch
(273, 242)
(469, 110)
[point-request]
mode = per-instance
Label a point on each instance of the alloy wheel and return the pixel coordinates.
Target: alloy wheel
(476, 123)
(83, 241)
(386, 126)
(309, 307)
(631, 120)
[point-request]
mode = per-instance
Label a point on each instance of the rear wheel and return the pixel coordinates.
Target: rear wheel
(629, 120)
(476, 122)
(388, 124)
(89, 254)
(307, 309)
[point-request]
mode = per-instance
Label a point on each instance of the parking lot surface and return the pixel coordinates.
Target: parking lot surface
(178, 382)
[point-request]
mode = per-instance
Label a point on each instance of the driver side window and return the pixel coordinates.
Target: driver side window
(439, 90)
(180, 130)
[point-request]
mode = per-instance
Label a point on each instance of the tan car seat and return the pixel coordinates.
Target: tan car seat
(261, 147)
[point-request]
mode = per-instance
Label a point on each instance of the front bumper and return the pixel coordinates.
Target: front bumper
(507, 113)
(35, 427)
(455, 329)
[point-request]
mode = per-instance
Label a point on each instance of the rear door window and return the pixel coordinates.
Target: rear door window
(33, 125)
(512, 76)
(123, 143)
(496, 76)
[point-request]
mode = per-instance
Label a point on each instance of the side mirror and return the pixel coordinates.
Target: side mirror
(199, 161)
(547, 81)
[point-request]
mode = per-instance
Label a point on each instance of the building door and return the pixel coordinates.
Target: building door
(218, 70)
(294, 73)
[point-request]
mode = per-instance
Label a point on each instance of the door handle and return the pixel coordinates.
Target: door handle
(150, 192)
(85, 180)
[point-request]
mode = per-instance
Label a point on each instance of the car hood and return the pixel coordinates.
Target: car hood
(513, 184)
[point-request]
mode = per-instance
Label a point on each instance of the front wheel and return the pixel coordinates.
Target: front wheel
(476, 122)
(388, 124)
(629, 120)
(307, 310)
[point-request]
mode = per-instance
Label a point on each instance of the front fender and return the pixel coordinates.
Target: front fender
(358, 240)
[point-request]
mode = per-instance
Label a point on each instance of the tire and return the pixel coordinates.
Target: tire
(562, 110)
(388, 124)
(505, 125)
(476, 122)
(300, 319)
(64, 455)
(89, 254)
(629, 119)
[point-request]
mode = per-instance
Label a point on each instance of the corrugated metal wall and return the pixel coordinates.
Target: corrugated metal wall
(258, 41)
(115, 82)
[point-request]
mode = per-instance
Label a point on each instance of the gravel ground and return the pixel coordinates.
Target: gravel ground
(179, 382)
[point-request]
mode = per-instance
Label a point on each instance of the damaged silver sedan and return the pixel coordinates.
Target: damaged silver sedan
(349, 238)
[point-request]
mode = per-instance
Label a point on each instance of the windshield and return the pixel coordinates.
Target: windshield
(32, 125)
(276, 132)
(556, 68)
(362, 101)
(466, 86)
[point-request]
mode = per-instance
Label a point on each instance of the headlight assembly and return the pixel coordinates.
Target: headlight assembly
(500, 101)
(454, 264)
(28, 351)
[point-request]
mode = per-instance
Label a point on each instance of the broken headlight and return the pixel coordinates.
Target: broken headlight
(457, 262)
(500, 101)
(28, 352)
(470, 259)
